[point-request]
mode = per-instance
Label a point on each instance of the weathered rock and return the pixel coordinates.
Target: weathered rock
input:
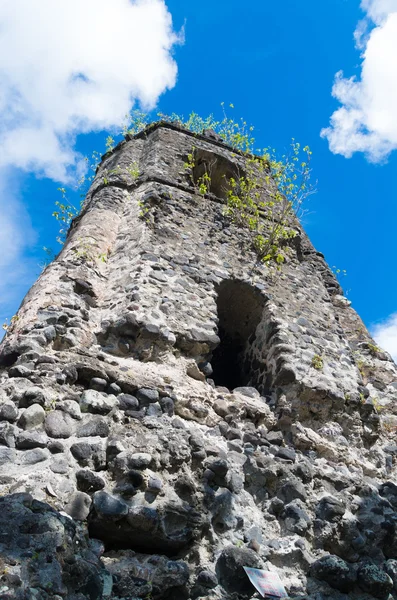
(373, 580)
(108, 507)
(59, 424)
(98, 384)
(32, 417)
(8, 411)
(336, 572)
(136, 478)
(218, 466)
(114, 389)
(292, 490)
(391, 570)
(7, 435)
(207, 579)
(31, 439)
(96, 402)
(93, 426)
(31, 457)
(78, 506)
(60, 466)
(43, 550)
(55, 447)
(146, 396)
(90, 455)
(155, 575)
(140, 460)
(154, 410)
(230, 571)
(81, 450)
(165, 528)
(330, 509)
(304, 471)
(275, 437)
(128, 402)
(286, 454)
(154, 485)
(33, 395)
(89, 482)
(71, 407)
(296, 519)
(7, 455)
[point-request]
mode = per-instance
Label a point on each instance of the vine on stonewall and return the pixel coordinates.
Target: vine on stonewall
(267, 196)
(203, 183)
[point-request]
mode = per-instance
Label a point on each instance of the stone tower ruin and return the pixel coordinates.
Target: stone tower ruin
(171, 410)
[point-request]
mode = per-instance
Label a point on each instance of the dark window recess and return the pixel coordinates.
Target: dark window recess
(240, 308)
(8, 357)
(218, 168)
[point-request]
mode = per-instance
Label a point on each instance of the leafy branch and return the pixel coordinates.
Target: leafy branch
(268, 197)
(64, 214)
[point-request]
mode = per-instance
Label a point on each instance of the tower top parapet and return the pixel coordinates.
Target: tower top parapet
(181, 395)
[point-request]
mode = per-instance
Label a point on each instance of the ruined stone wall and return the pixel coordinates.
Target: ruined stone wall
(195, 410)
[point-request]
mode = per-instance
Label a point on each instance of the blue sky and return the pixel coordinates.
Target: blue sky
(276, 62)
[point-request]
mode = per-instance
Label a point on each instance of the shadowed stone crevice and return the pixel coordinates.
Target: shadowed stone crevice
(8, 357)
(166, 529)
(240, 309)
(219, 169)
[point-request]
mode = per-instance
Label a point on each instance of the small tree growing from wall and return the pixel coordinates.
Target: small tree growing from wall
(268, 197)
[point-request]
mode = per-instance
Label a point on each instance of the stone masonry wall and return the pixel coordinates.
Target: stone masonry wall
(163, 407)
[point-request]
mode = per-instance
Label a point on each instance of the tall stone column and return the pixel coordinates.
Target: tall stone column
(187, 404)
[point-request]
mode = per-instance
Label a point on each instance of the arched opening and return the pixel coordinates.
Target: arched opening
(218, 168)
(240, 308)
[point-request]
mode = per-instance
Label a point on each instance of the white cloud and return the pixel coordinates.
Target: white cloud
(73, 66)
(385, 334)
(378, 10)
(68, 67)
(367, 120)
